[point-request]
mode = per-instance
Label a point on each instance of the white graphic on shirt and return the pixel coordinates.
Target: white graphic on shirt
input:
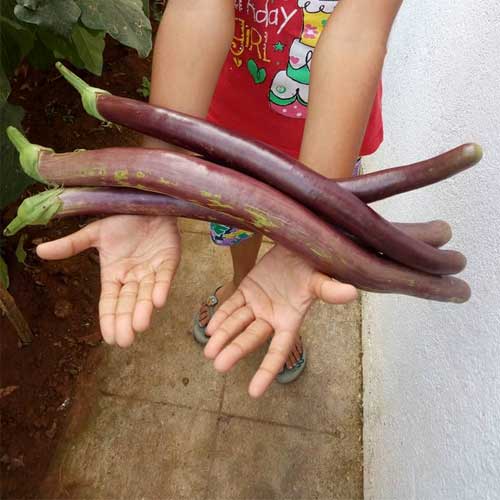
(289, 92)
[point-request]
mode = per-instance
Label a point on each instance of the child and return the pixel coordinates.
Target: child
(263, 93)
(248, 65)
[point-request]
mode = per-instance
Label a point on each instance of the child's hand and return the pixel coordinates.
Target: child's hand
(139, 256)
(272, 299)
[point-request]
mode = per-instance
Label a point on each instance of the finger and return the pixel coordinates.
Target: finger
(245, 343)
(233, 325)
(332, 291)
(144, 305)
(272, 363)
(163, 281)
(69, 245)
(124, 334)
(107, 308)
(228, 330)
(234, 302)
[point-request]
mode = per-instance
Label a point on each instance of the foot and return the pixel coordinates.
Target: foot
(295, 364)
(295, 355)
(222, 293)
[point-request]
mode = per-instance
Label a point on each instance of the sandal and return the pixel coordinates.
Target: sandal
(198, 330)
(288, 375)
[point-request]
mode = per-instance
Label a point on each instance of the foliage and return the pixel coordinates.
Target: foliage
(20, 251)
(157, 8)
(41, 31)
(4, 274)
(145, 88)
(44, 30)
(13, 180)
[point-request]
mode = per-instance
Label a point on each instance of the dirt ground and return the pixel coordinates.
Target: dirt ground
(58, 299)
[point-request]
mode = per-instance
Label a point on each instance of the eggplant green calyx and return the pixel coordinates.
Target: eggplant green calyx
(89, 94)
(29, 154)
(36, 210)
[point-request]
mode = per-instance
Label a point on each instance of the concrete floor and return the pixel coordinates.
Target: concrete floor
(157, 422)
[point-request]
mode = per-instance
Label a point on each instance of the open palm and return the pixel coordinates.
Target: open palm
(272, 299)
(138, 256)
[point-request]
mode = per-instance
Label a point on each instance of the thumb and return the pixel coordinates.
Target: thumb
(69, 245)
(331, 291)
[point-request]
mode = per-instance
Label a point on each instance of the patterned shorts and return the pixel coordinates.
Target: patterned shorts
(229, 236)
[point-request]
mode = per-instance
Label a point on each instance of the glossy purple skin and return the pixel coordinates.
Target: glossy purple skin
(324, 197)
(392, 181)
(106, 201)
(263, 209)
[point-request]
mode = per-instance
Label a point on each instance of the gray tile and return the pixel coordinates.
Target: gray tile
(135, 450)
(262, 461)
(326, 397)
(193, 226)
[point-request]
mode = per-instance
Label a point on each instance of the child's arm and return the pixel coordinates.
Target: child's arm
(346, 70)
(193, 40)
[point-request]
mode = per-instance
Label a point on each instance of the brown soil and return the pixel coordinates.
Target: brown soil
(58, 299)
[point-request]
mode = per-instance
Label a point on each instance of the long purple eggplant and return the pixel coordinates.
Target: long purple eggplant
(58, 203)
(326, 198)
(66, 202)
(259, 206)
(211, 141)
(392, 181)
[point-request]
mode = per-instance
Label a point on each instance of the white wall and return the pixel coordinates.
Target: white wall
(432, 370)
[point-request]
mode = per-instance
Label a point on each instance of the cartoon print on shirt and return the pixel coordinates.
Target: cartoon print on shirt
(289, 92)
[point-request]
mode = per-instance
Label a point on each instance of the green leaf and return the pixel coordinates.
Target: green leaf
(7, 8)
(145, 88)
(4, 274)
(90, 46)
(58, 16)
(4, 87)
(15, 42)
(124, 20)
(40, 56)
(13, 181)
(20, 251)
(61, 48)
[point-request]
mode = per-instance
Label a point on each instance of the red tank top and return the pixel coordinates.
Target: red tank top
(263, 88)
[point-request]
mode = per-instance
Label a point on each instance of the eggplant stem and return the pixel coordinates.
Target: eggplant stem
(89, 94)
(29, 154)
(36, 210)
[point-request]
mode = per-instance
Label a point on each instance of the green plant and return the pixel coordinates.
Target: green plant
(41, 31)
(13, 181)
(157, 9)
(145, 88)
(45, 30)
(4, 273)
